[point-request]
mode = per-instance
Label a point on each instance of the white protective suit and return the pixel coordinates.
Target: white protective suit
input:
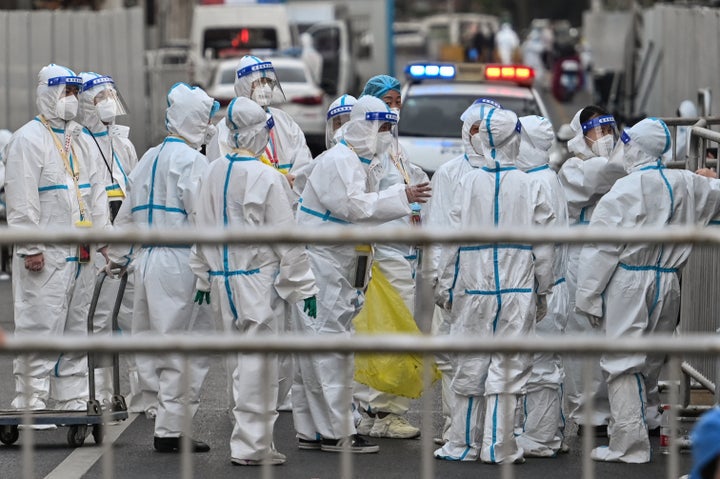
(445, 182)
(162, 194)
(506, 41)
(238, 191)
(687, 109)
(42, 193)
(635, 288)
(110, 145)
(585, 178)
(287, 149)
(342, 189)
(543, 425)
(490, 288)
(397, 262)
(5, 136)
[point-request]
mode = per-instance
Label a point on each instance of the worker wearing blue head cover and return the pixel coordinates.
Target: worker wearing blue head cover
(384, 414)
(632, 290)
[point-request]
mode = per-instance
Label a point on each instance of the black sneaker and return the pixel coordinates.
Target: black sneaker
(173, 444)
(309, 444)
(355, 443)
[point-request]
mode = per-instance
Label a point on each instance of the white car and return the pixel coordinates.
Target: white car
(305, 102)
(435, 96)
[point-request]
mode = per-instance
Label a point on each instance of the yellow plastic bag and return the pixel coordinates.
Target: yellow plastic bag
(385, 312)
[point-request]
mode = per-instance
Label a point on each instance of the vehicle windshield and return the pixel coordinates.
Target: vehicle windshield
(232, 42)
(439, 115)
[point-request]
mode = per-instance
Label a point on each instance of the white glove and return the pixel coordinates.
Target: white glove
(112, 270)
(540, 307)
(119, 131)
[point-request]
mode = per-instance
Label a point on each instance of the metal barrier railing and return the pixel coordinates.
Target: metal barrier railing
(424, 345)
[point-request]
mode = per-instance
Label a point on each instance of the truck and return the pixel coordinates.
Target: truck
(225, 31)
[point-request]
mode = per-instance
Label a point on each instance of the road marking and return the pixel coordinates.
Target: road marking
(79, 462)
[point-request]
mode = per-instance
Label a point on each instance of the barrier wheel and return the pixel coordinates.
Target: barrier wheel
(76, 435)
(9, 435)
(98, 433)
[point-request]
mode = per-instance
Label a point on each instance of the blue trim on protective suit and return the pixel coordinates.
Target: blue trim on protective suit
(327, 216)
(52, 187)
(494, 430)
(226, 260)
(640, 391)
(538, 168)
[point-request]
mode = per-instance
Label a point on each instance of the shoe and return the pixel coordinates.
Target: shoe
(309, 444)
(597, 431)
(355, 443)
(365, 425)
(276, 458)
(151, 413)
(394, 426)
(173, 444)
(439, 441)
(38, 427)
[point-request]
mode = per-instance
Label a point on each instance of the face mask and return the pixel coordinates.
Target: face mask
(384, 142)
(396, 111)
(262, 95)
(476, 144)
(106, 109)
(67, 107)
(603, 146)
(210, 134)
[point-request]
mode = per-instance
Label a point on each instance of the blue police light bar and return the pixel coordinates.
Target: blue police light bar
(430, 71)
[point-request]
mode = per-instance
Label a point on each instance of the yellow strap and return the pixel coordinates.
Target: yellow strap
(72, 168)
(401, 168)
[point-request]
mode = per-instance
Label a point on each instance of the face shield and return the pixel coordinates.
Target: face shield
(336, 118)
(471, 119)
(370, 131)
(264, 86)
(600, 134)
(105, 98)
(64, 91)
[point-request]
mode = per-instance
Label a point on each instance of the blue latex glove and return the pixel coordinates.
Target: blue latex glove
(310, 307)
(200, 295)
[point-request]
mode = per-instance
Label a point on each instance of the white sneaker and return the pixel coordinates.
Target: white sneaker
(365, 425)
(276, 458)
(394, 426)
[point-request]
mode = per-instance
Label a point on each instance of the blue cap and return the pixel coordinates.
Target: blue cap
(705, 441)
(379, 85)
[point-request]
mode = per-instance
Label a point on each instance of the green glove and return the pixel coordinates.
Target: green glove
(200, 295)
(311, 307)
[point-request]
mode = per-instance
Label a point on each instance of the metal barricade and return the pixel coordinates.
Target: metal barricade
(427, 346)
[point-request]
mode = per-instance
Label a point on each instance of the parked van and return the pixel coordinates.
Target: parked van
(220, 32)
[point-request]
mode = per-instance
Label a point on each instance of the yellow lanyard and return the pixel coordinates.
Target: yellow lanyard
(71, 167)
(400, 167)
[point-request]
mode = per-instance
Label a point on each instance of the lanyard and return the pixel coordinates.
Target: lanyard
(109, 165)
(71, 167)
(271, 151)
(397, 161)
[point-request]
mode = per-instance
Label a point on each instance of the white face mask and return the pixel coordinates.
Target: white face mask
(67, 107)
(603, 146)
(107, 110)
(384, 142)
(476, 144)
(396, 111)
(262, 95)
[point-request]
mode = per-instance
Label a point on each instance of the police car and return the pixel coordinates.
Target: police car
(435, 95)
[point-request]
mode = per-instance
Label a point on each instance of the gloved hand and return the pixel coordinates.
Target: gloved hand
(119, 131)
(419, 193)
(540, 307)
(310, 306)
(113, 270)
(200, 295)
